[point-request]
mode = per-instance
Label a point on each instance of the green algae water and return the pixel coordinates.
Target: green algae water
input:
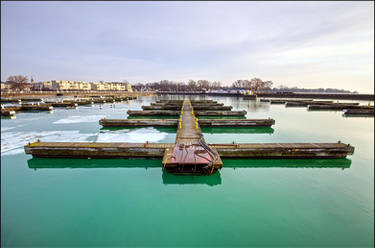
(131, 202)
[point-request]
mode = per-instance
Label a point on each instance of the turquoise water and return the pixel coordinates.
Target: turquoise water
(131, 202)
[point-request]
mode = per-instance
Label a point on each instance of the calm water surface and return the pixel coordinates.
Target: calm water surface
(131, 202)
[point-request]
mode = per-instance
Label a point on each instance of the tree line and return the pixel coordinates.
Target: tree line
(255, 84)
(20, 82)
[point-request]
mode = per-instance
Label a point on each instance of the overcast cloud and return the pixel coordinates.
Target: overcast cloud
(304, 44)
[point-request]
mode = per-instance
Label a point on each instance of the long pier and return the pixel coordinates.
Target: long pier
(190, 152)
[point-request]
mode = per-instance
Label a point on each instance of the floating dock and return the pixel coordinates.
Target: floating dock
(18, 100)
(176, 107)
(336, 107)
(84, 102)
(62, 104)
(159, 104)
(157, 150)
(11, 110)
(36, 107)
(301, 103)
(174, 122)
(7, 112)
(177, 113)
(351, 111)
(189, 154)
(249, 97)
(6, 100)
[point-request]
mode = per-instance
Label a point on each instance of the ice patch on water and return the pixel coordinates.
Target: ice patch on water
(79, 119)
(13, 142)
(126, 135)
(7, 128)
(14, 151)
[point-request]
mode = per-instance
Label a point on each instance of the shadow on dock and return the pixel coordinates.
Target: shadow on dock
(62, 163)
(342, 163)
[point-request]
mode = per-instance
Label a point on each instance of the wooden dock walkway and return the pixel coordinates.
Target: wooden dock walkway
(190, 153)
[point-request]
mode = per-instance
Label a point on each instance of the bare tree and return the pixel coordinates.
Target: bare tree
(192, 85)
(256, 84)
(216, 85)
(18, 82)
(267, 85)
(203, 84)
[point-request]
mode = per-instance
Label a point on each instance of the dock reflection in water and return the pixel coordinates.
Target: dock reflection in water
(210, 180)
(61, 163)
(167, 178)
(287, 163)
(160, 129)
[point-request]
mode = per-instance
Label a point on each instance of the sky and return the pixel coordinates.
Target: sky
(303, 44)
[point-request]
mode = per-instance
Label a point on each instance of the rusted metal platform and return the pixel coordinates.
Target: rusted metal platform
(174, 122)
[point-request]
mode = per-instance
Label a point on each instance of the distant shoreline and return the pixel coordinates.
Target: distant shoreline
(345, 96)
(322, 95)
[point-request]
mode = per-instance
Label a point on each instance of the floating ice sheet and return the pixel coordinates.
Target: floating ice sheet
(126, 135)
(13, 142)
(79, 119)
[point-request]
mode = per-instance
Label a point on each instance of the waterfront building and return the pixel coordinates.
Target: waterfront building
(82, 85)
